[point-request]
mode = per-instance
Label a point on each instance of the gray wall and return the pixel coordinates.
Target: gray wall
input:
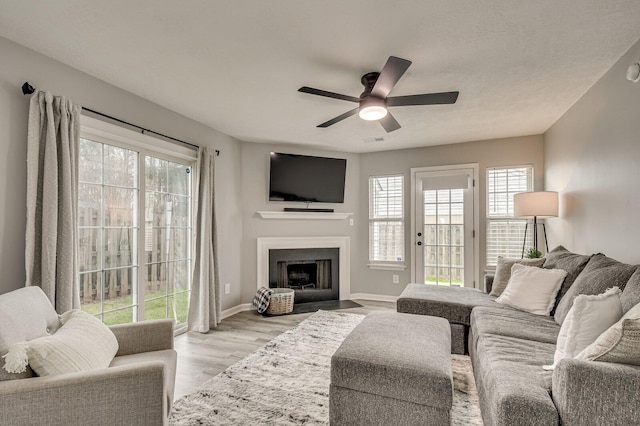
(592, 157)
(19, 64)
(255, 184)
(490, 153)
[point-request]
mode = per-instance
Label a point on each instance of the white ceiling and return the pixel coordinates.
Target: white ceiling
(236, 65)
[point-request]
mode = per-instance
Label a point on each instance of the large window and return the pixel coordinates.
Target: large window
(386, 219)
(135, 232)
(505, 234)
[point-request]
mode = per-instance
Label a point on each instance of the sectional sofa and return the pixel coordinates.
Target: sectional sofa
(508, 348)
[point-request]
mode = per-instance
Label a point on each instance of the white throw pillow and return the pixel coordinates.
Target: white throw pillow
(532, 289)
(588, 318)
(82, 343)
(620, 343)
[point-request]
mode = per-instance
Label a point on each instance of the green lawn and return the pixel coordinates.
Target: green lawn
(153, 309)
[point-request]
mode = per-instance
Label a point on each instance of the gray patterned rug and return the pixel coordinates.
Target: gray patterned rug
(286, 382)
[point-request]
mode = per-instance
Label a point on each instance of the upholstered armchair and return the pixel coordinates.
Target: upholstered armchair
(136, 389)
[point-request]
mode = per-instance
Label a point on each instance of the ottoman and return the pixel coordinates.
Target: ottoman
(393, 368)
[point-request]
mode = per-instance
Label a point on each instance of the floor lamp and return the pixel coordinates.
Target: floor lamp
(535, 205)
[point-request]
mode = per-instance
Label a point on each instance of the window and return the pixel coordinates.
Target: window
(505, 233)
(134, 231)
(386, 219)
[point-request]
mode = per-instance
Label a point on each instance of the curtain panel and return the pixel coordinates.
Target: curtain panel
(52, 194)
(204, 303)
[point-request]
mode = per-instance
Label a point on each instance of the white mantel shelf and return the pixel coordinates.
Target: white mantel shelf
(304, 215)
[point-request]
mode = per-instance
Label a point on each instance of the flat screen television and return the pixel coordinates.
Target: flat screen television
(307, 179)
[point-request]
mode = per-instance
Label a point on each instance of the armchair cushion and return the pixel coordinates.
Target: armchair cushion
(83, 343)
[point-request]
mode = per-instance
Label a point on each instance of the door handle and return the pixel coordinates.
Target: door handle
(419, 243)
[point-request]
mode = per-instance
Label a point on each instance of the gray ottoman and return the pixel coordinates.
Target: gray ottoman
(393, 368)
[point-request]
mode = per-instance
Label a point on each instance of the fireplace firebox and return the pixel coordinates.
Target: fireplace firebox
(312, 273)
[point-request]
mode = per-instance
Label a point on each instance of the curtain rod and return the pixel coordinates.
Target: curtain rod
(28, 89)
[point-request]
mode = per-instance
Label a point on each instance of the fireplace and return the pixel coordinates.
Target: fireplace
(312, 272)
(340, 269)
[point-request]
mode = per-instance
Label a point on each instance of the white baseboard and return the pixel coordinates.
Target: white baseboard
(374, 297)
(234, 310)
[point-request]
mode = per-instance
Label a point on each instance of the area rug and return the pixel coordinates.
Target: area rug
(286, 382)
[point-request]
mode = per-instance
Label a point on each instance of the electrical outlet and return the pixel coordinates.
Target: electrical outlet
(351, 222)
(396, 279)
(227, 288)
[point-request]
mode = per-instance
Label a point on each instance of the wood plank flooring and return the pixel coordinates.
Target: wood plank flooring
(203, 356)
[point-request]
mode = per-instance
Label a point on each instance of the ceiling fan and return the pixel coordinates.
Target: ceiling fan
(374, 101)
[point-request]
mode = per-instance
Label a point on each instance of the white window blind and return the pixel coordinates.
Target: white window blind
(505, 233)
(386, 218)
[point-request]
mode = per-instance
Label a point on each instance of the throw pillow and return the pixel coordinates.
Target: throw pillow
(620, 343)
(588, 318)
(600, 274)
(631, 294)
(532, 289)
(82, 343)
(561, 258)
(503, 272)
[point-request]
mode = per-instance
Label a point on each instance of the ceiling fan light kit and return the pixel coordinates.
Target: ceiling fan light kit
(373, 103)
(372, 108)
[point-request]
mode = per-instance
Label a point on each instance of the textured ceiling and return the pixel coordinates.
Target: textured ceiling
(236, 65)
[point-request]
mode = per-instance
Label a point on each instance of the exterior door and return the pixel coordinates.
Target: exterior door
(444, 227)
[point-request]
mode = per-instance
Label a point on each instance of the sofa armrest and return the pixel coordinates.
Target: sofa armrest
(144, 336)
(126, 395)
(596, 393)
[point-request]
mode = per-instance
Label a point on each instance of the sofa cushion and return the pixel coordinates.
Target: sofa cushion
(561, 258)
(503, 272)
(512, 386)
(620, 343)
(512, 322)
(532, 289)
(601, 273)
(631, 294)
(587, 319)
(168, 356)
(452, 303)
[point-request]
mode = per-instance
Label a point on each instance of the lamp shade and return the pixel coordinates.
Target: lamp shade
(536, 204)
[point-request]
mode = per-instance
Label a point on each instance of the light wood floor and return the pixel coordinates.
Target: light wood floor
(203, 356)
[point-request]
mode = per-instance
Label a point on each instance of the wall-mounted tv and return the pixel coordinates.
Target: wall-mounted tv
(307, 179)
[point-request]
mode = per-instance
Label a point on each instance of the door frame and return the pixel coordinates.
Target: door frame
(476, 215)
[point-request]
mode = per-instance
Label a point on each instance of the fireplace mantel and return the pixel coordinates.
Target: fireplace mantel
(303, 215)
(342, 243)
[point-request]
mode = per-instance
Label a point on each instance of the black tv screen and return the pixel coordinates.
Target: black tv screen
(306, 178)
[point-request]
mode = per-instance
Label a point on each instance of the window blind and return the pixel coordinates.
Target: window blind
(386, 218)
(505, 233)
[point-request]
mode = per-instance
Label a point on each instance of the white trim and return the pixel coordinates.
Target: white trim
(303, 215)
(476, 215)
(235, 310)
(391, 266)
(342, 243)
(374, 297)
(105, 132)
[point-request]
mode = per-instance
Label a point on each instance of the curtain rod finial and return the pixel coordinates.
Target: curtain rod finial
(27, 89)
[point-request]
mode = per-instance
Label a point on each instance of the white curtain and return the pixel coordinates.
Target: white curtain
(204, 303)
(52, 194)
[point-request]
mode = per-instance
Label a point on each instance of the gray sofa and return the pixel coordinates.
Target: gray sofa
(508, 348)
(137, 389)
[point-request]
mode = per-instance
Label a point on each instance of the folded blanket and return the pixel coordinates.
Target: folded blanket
(261, 299)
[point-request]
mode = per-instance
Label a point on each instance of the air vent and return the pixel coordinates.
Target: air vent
(378, 139)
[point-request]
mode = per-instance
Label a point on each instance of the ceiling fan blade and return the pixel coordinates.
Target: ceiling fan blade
(425, 99)
(389, 76)
(339, 118)
(389, 123)
(326, 94)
